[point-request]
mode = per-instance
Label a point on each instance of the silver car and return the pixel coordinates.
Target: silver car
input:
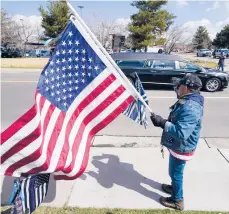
(204, 52)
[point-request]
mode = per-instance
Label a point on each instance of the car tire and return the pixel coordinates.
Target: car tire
(212, 85)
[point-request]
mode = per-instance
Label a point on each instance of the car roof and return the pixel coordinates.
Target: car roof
(143, 56)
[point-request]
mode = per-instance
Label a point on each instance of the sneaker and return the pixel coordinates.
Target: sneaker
(168, 202)
(167, 188)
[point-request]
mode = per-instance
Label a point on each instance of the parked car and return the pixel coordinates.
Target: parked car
(218, 52)
(204, 52)
(43, 53)
(159, 69)
(10, 52)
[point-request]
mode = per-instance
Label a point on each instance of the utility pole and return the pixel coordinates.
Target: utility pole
(81, 7)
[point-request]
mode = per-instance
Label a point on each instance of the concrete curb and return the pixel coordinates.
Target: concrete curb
(139, 142)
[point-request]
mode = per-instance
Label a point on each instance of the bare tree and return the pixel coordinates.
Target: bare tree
(26, 32)
(174, 36)
(8, 33)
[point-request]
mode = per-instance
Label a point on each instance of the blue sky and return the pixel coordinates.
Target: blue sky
(189, 13)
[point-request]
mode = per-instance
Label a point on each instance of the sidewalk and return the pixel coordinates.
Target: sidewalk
(129, 176)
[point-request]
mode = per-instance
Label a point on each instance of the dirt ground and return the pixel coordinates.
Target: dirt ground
(23, 62)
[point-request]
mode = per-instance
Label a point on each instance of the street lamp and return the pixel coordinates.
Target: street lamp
(81, 7)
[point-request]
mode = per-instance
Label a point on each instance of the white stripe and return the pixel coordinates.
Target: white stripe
(87, 110)
(61, 139)
(27, 193)
(32, 147)
(36, 197)
(23, 132)
(23, 195)
(41, 160)
(40, 194)
(180, 157)
(44, 191)
(89, 127)
(153, 97)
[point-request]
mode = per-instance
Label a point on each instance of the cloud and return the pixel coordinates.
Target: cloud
(215, 6)
(181, 3)
(213, 28)
(226, 4)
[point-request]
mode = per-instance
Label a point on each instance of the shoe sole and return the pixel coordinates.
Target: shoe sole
(165, 205)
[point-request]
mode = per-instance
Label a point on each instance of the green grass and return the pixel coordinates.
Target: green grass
(70, 210)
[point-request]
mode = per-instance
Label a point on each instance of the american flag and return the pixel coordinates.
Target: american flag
(136, 110)
(30, 194)
(78, 94)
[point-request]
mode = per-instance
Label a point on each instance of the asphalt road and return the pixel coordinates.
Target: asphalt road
(17, 96)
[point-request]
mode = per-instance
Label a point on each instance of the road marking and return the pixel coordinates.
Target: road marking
(176, 98)
(17, 81)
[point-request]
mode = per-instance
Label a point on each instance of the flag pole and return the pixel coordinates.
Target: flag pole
(107, 55)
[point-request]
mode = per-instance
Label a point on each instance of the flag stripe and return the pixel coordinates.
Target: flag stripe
(48, 151)
(19, 158)
(93, 114)
(23, 132)
(62, 155)
(34, 159)
(84, 107)
(85, 112)
(108, 119)
(18, 124)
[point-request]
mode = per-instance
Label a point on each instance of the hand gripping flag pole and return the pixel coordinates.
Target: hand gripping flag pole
(119, 71)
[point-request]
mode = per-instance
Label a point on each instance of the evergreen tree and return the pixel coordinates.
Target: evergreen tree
(222, 38)
(55, 18)
(201, 38)
(149, 23)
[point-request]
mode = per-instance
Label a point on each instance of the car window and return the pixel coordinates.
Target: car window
(163, 64)
(130, 63)
(188, 66)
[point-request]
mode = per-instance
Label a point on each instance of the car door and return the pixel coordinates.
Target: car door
(184, 67)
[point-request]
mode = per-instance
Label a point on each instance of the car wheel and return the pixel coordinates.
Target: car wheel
(131, 80)
(212, 85)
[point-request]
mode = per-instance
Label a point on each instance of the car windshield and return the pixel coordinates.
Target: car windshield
(130, 63)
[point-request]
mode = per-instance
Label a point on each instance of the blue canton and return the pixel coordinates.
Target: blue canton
(72, 67)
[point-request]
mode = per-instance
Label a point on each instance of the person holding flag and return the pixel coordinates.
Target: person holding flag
(181, 132)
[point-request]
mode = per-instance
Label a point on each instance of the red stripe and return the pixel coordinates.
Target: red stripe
(20, 123)
(36, 154)
(51, 145)
(92, 133)
(95, 93)
(89, 118)
(185, 154)
(23, 142)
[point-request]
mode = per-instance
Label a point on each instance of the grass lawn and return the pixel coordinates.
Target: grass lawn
(41, 62)
(70, 210)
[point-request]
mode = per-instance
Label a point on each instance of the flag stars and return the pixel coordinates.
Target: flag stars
(70, 75)
(83, 81)
(63, 52)
(70, 82)
(77, 43)
(69, 67)
(63, 75)
(52, 87)
(52, 71)
(47, 88)
(64, 83)
(83, 51)
(70, 51)
(83, 74)
(46, 81)
(70, 42)
(76, 81)
(58, 99)
(83, 59)
(63, 43)
(58, 61)
(76, 87)
(46, 73)
(83, 66)
(90, 60)
(76, 74)
(58, 85)
(76, 67)
(76, 59)
(63, 60)
(70, 95)
(64, 90)
(70, 59)
(51, 63)
(70, 33)
(65, 104)
(52, 79)
(52, 94)
(77, 51)
(63, 69)
(58, 53)
(89, 74)
(96, 68)
(57, 69)
(89, 67)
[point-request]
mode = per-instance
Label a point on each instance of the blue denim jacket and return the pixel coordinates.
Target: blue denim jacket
(182, 130)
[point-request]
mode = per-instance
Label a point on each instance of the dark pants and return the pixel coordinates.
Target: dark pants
(221, 66)
(176, 169)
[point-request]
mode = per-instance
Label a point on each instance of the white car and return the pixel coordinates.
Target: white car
(204, 52)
